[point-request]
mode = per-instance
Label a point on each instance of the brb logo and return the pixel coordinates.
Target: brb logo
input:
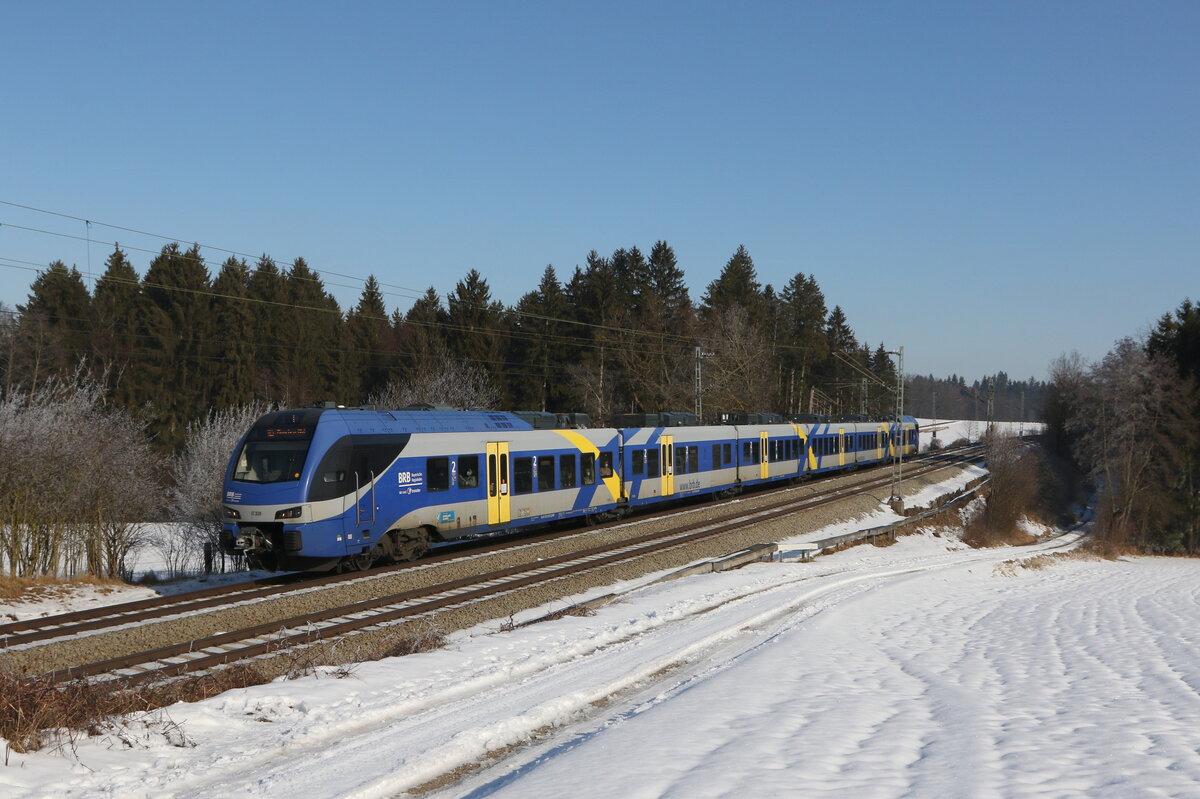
(409, 482)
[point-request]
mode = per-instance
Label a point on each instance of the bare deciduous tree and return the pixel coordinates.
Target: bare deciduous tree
(737, 373)
(77, 480)
(1131, 421)
(199, 472)
(441, 381)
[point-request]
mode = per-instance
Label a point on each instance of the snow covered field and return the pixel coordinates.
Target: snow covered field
(920, 669)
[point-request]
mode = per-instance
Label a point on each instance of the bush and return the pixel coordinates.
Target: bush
(1014, 492)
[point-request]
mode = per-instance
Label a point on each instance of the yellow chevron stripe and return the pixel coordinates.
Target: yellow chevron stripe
(584, 446)
(812, 459)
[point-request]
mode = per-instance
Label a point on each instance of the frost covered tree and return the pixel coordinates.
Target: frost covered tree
(78, 480)
(198, 473)
(444, 381)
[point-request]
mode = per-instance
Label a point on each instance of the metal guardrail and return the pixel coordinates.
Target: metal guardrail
(810, 549)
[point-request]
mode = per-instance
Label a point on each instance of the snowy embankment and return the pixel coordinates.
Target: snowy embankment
(924, 668)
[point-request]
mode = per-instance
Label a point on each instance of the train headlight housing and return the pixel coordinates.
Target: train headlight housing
(290, 513)
(230, 513)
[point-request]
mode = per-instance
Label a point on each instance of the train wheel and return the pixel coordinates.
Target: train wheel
(359, 563)
(265, 561)
(411, 544)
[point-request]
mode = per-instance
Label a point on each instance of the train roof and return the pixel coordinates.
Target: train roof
(360, 420)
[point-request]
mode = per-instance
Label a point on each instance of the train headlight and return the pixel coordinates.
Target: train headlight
(230, 513)
(290, 513)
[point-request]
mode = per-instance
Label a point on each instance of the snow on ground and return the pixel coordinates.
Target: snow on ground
(67, 597)
(920, 669)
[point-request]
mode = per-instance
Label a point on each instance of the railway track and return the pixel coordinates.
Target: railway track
(274, 638)
(106, 617)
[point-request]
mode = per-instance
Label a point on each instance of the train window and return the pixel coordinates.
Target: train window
(754, 453)
(333, 473)
(522, 475)
(716, 456)
(746, 452)
(587, 469)
(491, 475)
(652, 463)
(468, 471)
(638, 459)
(437, 474)
(693, 459)
(727, 453)
(680, 460)
(545, 472)
(350, 458)
(606, 465)
(566, 471)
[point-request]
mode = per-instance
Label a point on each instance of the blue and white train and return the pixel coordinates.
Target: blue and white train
(325, 488)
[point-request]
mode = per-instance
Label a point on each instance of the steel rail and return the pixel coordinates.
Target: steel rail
(161, 608)
(202, 654)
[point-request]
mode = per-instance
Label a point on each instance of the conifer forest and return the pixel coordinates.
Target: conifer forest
(622, 333)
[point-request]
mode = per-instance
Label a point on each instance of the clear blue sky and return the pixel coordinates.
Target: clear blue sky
(987, 184)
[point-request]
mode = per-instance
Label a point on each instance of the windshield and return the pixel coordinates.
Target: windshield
(276, 447)
(270, 461)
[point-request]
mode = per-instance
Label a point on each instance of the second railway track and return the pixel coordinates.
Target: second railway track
(214, 647)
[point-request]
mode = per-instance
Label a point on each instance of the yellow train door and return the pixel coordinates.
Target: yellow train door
(498, 495)
(764, 456)
(666, 443)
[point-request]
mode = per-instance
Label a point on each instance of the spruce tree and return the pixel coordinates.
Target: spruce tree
(315, 333)
(538, 349)
(176, 299)
(837, 375)
(114, 325)
(55, 322)
(804, 343)
(232, 347)
(667, 279)
(737, 286)
(268, 295)
(370, 338)
(422, 334)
